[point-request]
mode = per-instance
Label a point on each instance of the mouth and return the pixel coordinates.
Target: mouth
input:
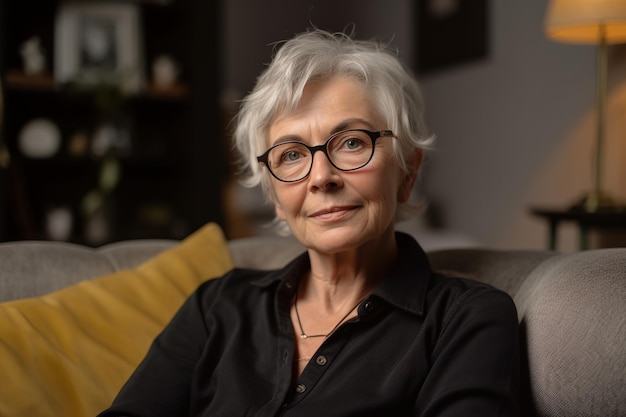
(333, 213)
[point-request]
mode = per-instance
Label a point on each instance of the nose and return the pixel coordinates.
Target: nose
(323, 176)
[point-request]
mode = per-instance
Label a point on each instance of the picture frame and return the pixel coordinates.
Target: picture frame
(450, 33)
(99, 42)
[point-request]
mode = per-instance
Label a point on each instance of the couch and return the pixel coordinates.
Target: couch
(75, 321)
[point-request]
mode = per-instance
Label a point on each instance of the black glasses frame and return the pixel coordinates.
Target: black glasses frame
(374, 136)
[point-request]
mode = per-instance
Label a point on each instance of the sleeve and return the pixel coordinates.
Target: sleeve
(475, 362)
(160, 386)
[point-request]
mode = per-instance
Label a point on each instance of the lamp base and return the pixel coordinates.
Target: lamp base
(597, 201)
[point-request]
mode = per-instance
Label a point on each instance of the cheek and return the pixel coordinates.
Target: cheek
(383, 190)
(389, 181)
(286, 199)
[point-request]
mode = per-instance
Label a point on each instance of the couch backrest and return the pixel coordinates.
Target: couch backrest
(504, 269)
(33, 268)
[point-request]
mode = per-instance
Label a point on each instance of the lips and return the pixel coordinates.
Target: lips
(335, 212)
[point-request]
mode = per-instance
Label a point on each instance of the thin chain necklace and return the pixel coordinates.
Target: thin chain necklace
(303, 335)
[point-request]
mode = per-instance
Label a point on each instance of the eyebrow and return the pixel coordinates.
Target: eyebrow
(344, 125)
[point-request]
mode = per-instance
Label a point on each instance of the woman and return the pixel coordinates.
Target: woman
(358, 325)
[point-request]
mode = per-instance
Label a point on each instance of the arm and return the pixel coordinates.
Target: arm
(475, 361)
(160, 385)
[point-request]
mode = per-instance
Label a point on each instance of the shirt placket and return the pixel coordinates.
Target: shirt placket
(318, 365)
(326, 354)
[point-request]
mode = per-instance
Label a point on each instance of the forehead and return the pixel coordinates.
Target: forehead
(325, 105)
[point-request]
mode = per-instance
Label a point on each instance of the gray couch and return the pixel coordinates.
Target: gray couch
(572, 307)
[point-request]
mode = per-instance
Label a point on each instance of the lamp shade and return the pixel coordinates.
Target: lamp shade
(586, 21)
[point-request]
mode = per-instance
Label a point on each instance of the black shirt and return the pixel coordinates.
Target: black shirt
(422, 345)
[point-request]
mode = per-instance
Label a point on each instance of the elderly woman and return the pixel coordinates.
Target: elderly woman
(358, 325)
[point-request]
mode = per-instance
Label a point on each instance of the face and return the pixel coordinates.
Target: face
(332, 210)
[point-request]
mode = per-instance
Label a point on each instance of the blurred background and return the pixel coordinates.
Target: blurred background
(116, 116)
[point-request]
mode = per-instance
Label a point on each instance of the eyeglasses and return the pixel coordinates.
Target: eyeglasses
(347, 150)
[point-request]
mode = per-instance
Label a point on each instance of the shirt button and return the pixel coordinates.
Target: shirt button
(321, 360)
(369, 306)
(288, 285)
(300, 388)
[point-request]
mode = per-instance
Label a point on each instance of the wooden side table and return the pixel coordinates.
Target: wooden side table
(613, 219)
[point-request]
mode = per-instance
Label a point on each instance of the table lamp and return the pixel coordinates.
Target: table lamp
(598, 22)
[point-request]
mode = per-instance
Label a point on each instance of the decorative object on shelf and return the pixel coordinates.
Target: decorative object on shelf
(110, 134)
(59, 223)
(599, 22)
(77, 144)
(97, 208)
(40, 138)
(165, 71)
(33, 58)
(98, 225)
(110, 138)
(99, 42)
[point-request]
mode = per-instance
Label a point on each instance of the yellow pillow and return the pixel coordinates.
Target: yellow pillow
(68, 353)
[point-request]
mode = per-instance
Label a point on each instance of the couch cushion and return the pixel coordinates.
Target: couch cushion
(68, 353)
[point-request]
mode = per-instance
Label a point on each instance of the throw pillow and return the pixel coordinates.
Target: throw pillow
(69, 353)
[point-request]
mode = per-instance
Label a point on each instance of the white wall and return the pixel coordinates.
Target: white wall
(515, 130)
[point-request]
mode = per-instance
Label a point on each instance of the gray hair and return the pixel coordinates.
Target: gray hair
(319, 55)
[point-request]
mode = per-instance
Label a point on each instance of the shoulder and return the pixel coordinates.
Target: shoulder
(235, 282)
(250, 287)
(466, 299)
(442, 285)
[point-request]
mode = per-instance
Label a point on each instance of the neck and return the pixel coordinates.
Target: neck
(341, 279)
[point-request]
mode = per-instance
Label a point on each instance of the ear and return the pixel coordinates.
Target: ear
(408, 182)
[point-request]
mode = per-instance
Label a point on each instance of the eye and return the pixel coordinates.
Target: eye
(353, 143)
(291, 156)
(289, 153)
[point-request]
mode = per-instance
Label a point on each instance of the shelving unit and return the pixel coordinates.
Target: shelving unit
(174, 165)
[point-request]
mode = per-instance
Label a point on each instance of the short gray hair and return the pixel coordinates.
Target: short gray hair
(318, 55)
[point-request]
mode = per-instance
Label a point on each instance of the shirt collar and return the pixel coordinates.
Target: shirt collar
(405, 287)
(407, 284)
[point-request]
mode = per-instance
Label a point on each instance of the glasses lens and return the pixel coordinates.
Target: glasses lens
(289, 161)
(350, 150)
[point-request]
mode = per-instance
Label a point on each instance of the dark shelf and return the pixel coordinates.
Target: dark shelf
(173, 166)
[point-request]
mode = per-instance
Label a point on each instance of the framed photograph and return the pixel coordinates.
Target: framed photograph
(99, 42)
(450, 33)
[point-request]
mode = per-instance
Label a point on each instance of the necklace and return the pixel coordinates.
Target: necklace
(303, 335)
